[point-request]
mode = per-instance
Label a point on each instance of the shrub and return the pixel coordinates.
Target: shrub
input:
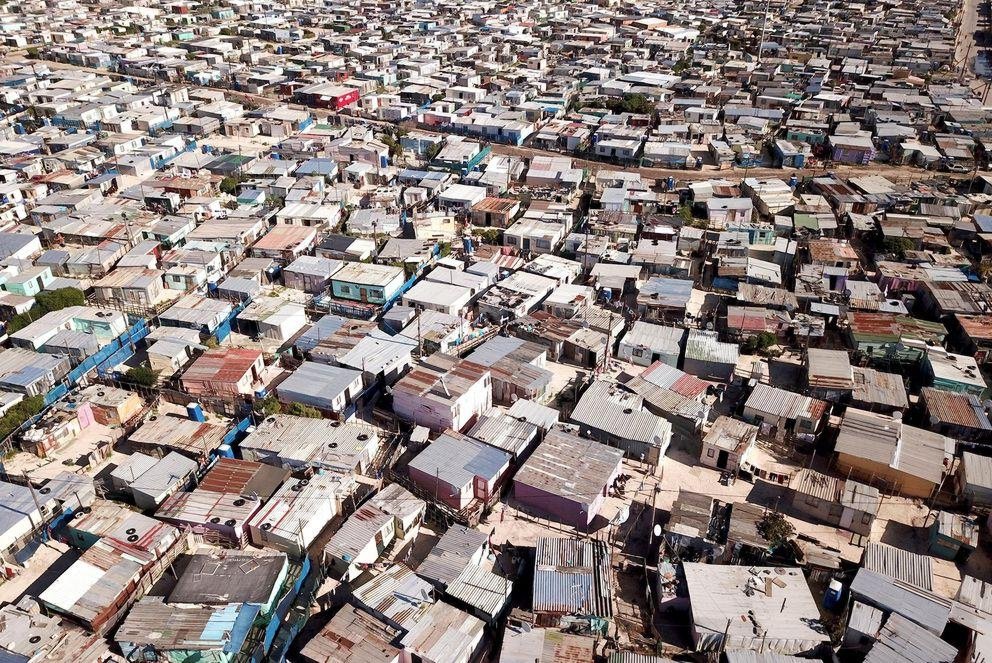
(776, 529)
(268, 406)
(46, 302)
(20, 413)
(301, 410)
(142, 375)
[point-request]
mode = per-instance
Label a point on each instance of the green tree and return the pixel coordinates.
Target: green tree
(301, 410)
(898, 245)
(141, 375)
(229, 185)
(56, 300)
(629, 103)
(776, 529)
(19, 413)
(766, 340)
(433, 151)
(46, 302)
(268, 406)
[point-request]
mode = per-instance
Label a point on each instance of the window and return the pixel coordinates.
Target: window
(810, 500)
(346, 289)
(638, 352)
(866, 519)
(836, 510)
(709, 453)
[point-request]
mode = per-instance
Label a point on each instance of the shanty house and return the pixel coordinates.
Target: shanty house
(849, 505)
(443, 392)
(225, 372)
(567, 477)
(583, 567)
(878, 448)
(780, 614)
(615, 417)
(726, 443)
(456, 469)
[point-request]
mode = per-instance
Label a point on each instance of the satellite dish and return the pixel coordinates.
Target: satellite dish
(657, 530)
(622, 515)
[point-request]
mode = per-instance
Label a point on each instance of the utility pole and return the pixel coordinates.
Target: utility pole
(34, 497)
(764, 24)
(723, 640)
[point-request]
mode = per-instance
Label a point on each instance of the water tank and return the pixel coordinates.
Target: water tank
(195, 412)
(225, 451)
(793, 181)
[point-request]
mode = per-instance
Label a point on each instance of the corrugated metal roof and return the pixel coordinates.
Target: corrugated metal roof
(661, 291)
(318, 385)
(865, 618)
(498, 429)
(706, 346)
(287, 440)
(222, 365)
(572, 577)
(541, 416)
(899, 564)
(353, 636)
(749, 656)
(181, 628)
(902, 641)
(164, 475)
(779, 403)
(453, 551)
(356, 532)
(877, 388)
(882, 439)
(946, 407)
(572, 467)
(606, 407)
(179, 433)
(457, 459)
(482, 589)
(977, 473)
(396, 594)
(539, 645)
(923, 607)
(444, 633)
(829, 369)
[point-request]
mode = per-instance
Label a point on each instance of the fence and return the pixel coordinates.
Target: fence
(224, 329)
(117, 351)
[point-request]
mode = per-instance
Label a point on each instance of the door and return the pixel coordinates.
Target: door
(481, 490)
(364, 294)
(721, 459)
(847, 519)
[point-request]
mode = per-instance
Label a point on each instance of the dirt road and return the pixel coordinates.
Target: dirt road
(967, 51)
